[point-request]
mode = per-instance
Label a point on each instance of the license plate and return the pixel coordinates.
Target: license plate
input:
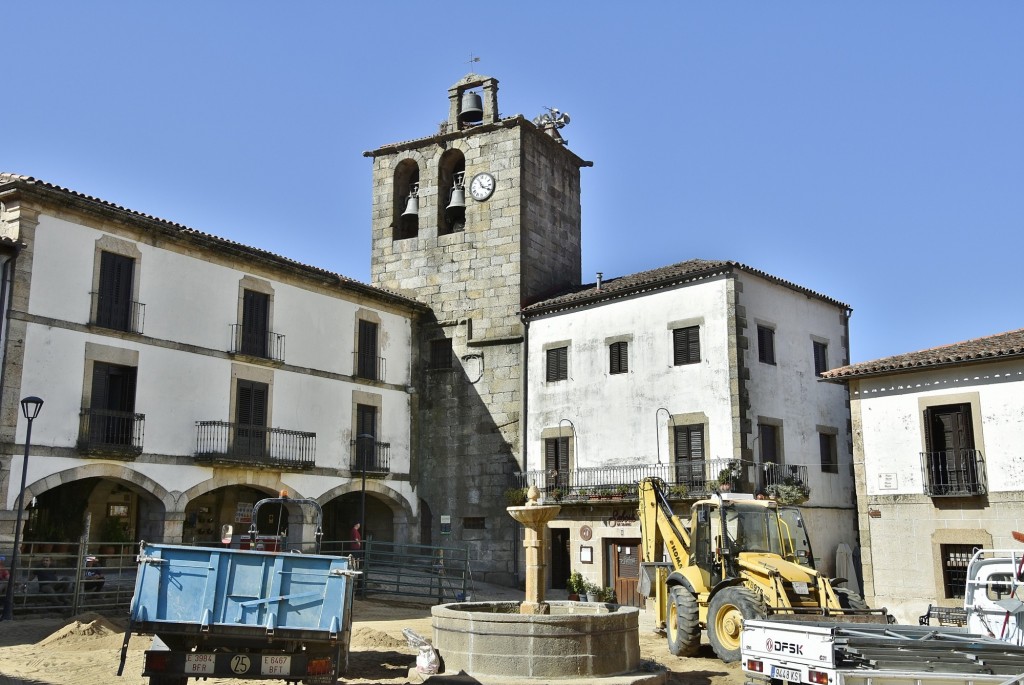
(199, 663)
(790, 674)
(276, 665)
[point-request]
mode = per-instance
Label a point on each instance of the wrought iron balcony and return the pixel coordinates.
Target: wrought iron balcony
(224, 441)
(374, 456)
(368, 366)
(115, 315)
(954, 473)
(257, 342)
(684, 480)
(111, 432)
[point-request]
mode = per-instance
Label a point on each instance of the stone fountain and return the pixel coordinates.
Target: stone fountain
(498, 643)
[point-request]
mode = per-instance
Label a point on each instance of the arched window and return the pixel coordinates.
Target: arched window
(451, 205)
(406, 222)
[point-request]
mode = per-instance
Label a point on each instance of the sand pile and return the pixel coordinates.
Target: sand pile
(85, 631)
(368, 639)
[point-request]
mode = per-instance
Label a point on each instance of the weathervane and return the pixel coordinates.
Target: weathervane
(472, 59)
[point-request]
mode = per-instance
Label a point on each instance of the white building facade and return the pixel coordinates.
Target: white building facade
(936, 437)
(185, 377)
(684, 372)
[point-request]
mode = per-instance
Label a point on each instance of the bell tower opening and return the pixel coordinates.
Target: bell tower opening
(451, 173)
(406, 201)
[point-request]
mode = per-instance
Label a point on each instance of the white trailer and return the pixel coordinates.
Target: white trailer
(822, 653)
(994, 597)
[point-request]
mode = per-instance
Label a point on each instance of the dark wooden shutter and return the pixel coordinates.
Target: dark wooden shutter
(766, 344)
(367, 365)
(255, 322)
(556, 458)
(686, 345)
(689, 454)
(557, 364)
(820, 358)
(769, 444)
(251, 418)
(114, 307)
(366, 424)
(618, 357)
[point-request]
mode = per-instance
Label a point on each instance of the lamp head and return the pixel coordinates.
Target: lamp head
(31, 406)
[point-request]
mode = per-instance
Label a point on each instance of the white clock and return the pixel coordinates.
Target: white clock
(481, 187)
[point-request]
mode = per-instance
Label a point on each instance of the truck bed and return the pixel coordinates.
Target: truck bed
(235, 594)
(856, 650)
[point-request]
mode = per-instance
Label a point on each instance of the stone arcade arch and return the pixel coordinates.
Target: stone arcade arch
(389, 515)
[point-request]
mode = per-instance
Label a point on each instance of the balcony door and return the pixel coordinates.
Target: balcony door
(556, 461)
(689, 455)
(367, 354)
(251, 419)
(114, 306)
(255, 323)
(366, 437)
(950, 443)
(112, 410)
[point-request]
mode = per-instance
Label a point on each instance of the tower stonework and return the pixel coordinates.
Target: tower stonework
(516, 240)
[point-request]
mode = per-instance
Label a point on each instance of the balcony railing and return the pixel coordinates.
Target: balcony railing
(954, 473)
(368, 366)
(118, 316)
(257, 342)
(374, 456)
(224, 441)
(691, 480)
(106, 431)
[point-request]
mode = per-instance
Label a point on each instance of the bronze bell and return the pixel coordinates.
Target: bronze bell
(472, 111)
(458, 200)
(412, 207)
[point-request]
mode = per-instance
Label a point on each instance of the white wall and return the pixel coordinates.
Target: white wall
(184, 371)
(614, 415)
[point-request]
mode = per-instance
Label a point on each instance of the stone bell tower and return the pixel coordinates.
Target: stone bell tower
(475, 220)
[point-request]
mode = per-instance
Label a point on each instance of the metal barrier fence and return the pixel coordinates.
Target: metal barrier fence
(67, 577)
(67, 584)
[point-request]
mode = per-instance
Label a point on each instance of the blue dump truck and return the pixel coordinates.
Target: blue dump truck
(221, 612)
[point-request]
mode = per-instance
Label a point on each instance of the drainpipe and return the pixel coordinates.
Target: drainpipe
(523, 413)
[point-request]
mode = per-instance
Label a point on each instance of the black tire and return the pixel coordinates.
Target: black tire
(726, 613)
(168, 680)
(682, 624)
(849, 599)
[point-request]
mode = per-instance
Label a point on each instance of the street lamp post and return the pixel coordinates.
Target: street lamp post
(362, 492)
(30, 407)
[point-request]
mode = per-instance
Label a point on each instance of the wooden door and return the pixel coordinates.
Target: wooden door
(624, 557)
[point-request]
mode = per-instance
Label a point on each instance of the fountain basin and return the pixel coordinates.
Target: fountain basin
(575, 640)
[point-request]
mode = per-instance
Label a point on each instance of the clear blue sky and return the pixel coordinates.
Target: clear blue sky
(872, 151)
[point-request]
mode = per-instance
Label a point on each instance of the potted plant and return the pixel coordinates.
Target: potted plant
(576, 585)
(791, 490)
(515, 497)
(677, 491)
(606, 595)
(592, 590)
(113, 534)
(622, 490)
(555, 495)
(727, 476)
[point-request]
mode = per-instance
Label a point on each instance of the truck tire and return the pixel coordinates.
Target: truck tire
(683, 624)
(849, 599)
(726, 613)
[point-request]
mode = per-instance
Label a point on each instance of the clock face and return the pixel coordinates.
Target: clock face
(481, 187)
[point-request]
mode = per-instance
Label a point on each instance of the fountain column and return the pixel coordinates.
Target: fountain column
(535, 518)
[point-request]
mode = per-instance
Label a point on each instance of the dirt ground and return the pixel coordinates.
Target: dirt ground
(84, 650)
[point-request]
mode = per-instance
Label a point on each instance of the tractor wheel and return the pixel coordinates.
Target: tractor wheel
(849, 599)
(683, 624)
(726, 614)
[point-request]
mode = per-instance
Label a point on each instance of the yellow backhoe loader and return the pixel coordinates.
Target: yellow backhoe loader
(736, 558)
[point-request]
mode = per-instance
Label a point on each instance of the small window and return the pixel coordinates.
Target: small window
(114, 306)
(820, 358)
(618, 357)
(558, 364)
(766, 344)
(474, 523)
(827, 450)
(954, 568)
(686, 345)
(441, 354)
